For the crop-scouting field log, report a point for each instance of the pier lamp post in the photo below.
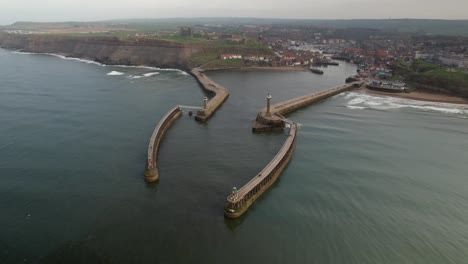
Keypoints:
(205, 102)
(235, 192)
(268, 104)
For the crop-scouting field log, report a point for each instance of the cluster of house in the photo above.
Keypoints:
(281, 58)
(388, 52)
(450, 60)
(256, 58)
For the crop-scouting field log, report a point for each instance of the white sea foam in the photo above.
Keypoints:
(365, 101)
(115, 73)
(135, 76)
(61, 57)
(100, 64)
(150, 74)
(356, 107)
(150, 68)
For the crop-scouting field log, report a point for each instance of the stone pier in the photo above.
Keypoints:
(151, 170)
(240, 200)
(271, 118)
(218, 92)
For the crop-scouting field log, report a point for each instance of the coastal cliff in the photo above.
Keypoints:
(106, 50)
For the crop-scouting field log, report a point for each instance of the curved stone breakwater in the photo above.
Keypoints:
(151, 170)
(271, 118)
(220, 95)
(240, 200)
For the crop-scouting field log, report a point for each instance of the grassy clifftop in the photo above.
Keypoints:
(121, 48)
(431, 77)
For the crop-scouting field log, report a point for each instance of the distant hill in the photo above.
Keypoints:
(417, 26)
(413, 26)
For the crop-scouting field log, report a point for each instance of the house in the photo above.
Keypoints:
(230, 56)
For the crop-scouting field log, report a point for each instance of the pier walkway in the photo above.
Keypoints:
(271, 118)
(240, 200)
(219, 93)
(151, 170)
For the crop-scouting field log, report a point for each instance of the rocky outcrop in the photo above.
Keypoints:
(107, 50)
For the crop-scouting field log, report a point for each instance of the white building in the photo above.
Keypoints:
(457, 61)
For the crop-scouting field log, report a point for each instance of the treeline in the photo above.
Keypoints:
(431, 77)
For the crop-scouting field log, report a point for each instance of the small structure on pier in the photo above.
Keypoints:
(271, 117)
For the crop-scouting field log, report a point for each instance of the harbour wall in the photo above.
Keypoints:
(274, 120)
(269, 119)
(219, 93)
(151, 170)
(238, 202)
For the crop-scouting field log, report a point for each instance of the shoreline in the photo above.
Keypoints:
(258, 68)
(419, 96)
(415, 95)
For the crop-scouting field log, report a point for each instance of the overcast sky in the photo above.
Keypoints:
(89, 10)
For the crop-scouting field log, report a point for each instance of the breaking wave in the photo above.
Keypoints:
(360, 101)
(61, 57)
(100, 64)
(150, 74)
(115, 73)
(149, 68)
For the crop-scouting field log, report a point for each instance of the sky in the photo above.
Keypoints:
(92, 10)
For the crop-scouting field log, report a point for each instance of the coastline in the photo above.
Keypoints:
(415, 95)
(92, 61)
(257, 68)
(419, 96)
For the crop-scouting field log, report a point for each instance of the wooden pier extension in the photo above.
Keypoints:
(274, 120)
(151, 170)
(239, 201)
(220, 95)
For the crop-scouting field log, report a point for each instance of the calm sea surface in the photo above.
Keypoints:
(372, 180)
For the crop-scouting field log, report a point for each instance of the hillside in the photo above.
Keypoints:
(157, 52)
(430, 77)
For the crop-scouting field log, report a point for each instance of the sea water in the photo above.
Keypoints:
(373, 179)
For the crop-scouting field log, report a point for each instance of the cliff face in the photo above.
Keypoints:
(114, 51)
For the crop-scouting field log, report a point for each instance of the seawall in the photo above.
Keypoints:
(106, 50)
(239, 201)
(219, 93)
(151, 170)
(273, 119)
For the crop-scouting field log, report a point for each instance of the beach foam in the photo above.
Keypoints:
(360, 101)
(150, 74)
(100, 64)
(149, 68)
(61, 57)
(115, 73)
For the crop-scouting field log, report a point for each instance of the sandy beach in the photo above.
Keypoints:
(421, 96)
